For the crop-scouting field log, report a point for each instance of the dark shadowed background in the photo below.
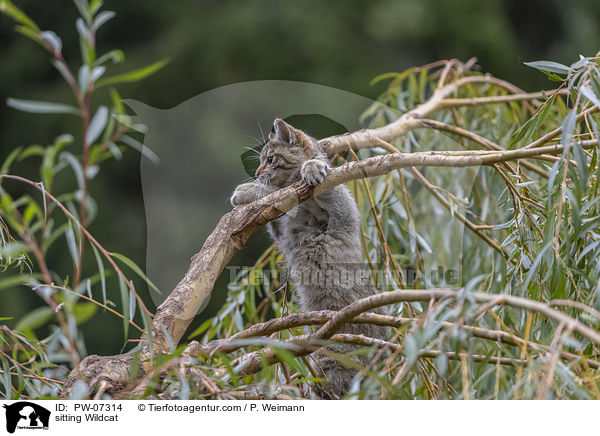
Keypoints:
(343, 44)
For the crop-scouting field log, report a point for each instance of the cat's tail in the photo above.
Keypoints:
(337, 378)
(337, 375)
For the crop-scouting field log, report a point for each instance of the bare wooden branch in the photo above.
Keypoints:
(348, 338)
(322, 316)
(476, 101)
(254, 362)
(490, 145)
(385, 298)
(407, 122)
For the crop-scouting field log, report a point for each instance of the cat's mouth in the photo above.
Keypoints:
(264, 180)
(271, 182)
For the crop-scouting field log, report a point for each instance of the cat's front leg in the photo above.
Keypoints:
(246, 193)
(338, 202)
(313, 171)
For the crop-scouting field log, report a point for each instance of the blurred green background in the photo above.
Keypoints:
(342, 44)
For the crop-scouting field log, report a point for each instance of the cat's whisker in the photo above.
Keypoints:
(252, 149)
(262, 133)
(258, 142)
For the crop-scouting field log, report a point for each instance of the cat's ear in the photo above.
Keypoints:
(287, 134)
(284, 132)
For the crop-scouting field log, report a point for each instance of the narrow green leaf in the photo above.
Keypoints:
(88, 52)
(47, 168)
(9, 160)
(137, 145)
(149, 333)
(83, 78)
(125, 304)
(591, 96)
(101, 272)
(53, 39)
(84, 9)
(118, 107)
(32, 150)
(11, 250)
(97, 73)
(62, 141)
(116, 56)
(133, 76)
(115, 151)
(31, 211)
(411, 350)
(568, 127)
(84, 311)
(131, 264)
(6, 380)
(97, 124)
(127, 122)
(582, 165)
(34, 319)
(535, 265)
(528, 129)
(88, 288)
(7, 8)
(102, 18)
(71, 243)
(552, 76)
(11, 282)
(31, 34)
(383, 76)
(41, 107)
(132, 305)
(48, 162)
(203, 327)
(95, 6)
(76, 165)
(83, 29)
(552, 67)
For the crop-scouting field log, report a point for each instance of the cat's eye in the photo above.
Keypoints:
(270, 159)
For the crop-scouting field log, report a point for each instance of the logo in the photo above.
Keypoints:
(26, 415)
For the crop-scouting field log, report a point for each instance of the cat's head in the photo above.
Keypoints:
(282, 157)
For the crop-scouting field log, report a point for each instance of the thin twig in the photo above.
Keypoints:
(93, 240)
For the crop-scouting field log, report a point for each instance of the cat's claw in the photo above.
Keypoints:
(313, 172)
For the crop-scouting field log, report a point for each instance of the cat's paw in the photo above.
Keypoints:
(313, 171)
(244, 194)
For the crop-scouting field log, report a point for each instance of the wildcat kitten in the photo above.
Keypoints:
(319, 240)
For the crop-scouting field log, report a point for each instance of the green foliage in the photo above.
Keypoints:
(546, 225)
(133, 76)
(47, 341)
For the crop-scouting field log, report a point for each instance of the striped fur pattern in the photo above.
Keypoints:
(319, 240)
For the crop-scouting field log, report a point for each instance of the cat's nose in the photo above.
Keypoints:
(259, 170)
